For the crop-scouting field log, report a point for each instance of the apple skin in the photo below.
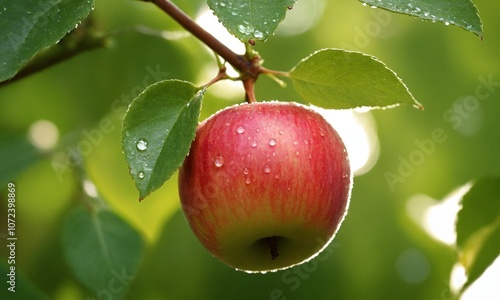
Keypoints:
(266, 185)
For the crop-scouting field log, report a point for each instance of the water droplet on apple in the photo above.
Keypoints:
(272, 142)
(257, 130)
(246, 171)
(240, 129)
(142, 144)
(228, 124)
(219, 161)
(140, 174)
(277, 176)
(254, 144)
(295, 143)
(248, 180)
(280, 132)
(267, 169)
(297, 153)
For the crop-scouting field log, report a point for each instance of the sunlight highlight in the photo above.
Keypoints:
(210, 23)
(486, 286)
(437, 218)
(303, 17)
(358, 133)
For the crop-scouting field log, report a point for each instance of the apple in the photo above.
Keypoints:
(266, 185)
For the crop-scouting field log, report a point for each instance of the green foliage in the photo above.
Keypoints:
(158, 130)
(101, 246)
(21, 154)
(461, 13)
(251, 19)
(102, 249)
(28, 26)
(340, 79)
(478, 227)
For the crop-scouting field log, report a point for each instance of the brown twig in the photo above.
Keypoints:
(249, 67)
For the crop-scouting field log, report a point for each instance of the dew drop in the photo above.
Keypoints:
(140, 174)
(297, 153)
(228, 124)
(272, 142)
(267, 169)
(142, 144)
(257, 130)
(280, 132)
(277, 176)
(219, 161)
(248, 180)
(254, 144)
(295, 143)
(240, 130)
(246, 171)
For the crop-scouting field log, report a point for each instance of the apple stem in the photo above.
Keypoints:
(272, 244)
(249, 85)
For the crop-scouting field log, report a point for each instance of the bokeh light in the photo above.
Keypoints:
(43, 134)
(358, 133)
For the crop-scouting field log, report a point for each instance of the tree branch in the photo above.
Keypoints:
(239, 62)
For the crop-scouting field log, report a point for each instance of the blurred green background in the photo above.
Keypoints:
(380, 252)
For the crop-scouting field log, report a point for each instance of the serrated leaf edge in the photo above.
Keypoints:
(416, 104)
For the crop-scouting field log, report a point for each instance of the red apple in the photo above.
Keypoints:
(266, 185)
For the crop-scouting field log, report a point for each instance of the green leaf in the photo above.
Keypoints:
(102, 250)
(28, 26)
(461, 13)
(340, 79)
(158, 130)
(478, 227)
(16, 154)
(251, 19)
